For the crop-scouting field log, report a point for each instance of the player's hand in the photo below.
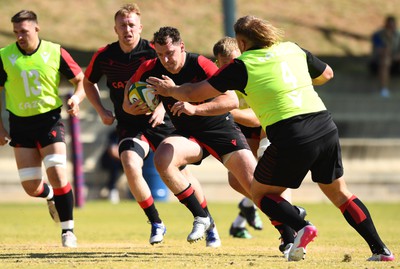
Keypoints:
(107, 117)
(157, 117)
(183, 107)
(73, 104)
(161, 86)
(136, 108)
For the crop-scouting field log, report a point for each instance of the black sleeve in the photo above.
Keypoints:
(230, 77)
(315, 66)
(68, 67)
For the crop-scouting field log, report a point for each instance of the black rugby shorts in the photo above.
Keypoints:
(288, 166)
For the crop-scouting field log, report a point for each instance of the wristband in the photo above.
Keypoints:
(75, 99)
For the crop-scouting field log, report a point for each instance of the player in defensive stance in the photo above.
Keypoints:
(30, 74)
(225, 50)
(277, 79)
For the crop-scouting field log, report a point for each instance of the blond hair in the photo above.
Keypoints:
(259, 32)
(127, 9)
(225, 46)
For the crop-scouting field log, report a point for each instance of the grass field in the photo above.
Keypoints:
(116, 236)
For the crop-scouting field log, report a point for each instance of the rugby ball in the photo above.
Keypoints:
(139, 91)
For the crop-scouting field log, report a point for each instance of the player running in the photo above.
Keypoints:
(30, 74)
(139, 131)
(202, 128)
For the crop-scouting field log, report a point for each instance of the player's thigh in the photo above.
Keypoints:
(27, 157)
(54, 148)
(242, 165)
(178, 150)
(236, 185)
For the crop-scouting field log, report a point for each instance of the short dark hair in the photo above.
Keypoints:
(160, 37)
(24, 15)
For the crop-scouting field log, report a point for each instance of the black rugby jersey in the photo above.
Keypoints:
(195, 69)
(118, 67)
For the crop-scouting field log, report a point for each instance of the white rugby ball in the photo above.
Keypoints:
(139, 91)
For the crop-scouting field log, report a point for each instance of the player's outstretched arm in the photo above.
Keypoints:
(190, 92)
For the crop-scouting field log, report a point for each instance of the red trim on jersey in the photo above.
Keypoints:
(64, 190)
(146, 203)
(208, 66)
(354, 210)
(223, 67)
(89, 68)
(185, 194)
(144, 67)
(75, 68)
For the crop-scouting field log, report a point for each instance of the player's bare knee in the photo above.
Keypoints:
(130, 165)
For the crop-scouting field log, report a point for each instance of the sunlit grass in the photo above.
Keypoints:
(116, 236)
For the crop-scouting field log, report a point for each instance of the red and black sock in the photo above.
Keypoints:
(287, 233)
(280, 210)
(64, 202)
(357, 215)
(205, 207)
(150, 210)
(188, 198)
(45, 191)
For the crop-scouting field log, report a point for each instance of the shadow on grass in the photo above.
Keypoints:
(99, 255)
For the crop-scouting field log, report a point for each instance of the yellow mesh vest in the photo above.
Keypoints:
(32, 80)
(279, 85)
